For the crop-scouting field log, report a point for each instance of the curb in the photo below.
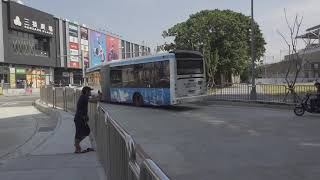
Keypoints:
(23, 149)
(51, 113)
(253, 104)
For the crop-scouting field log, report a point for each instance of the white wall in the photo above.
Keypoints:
(283, 80)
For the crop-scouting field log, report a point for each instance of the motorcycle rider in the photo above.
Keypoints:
(316, 101)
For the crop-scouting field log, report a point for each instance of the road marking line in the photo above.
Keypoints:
(253, 132)
(310, 144)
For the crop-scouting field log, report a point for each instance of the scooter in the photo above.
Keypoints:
(305, 105)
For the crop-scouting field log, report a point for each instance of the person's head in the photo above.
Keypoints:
(317, 85)
(86, 90)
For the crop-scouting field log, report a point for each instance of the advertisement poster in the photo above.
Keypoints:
(97, 48)
(73, 46)
(84, 36)
(112, 48)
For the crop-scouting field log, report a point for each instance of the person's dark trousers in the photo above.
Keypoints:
(313, 103)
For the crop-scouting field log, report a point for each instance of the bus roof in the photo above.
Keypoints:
(142, 59)
(94, 68)
(145, 59)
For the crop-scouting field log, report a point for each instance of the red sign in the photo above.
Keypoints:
(112, 48)
(74, 64)
(74, 45)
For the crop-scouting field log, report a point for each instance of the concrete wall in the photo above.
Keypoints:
(283, 80)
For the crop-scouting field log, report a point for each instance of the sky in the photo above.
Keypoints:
(143, 21)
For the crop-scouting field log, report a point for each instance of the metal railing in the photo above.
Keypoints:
(264, 92)
(120, 156)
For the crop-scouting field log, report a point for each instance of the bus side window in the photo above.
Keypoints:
(148, 75)
(116, 77)
(162, 74)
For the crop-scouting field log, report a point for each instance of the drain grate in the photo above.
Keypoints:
(46, 129)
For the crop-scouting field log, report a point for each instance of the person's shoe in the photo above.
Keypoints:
(78, 148)
(87, 150)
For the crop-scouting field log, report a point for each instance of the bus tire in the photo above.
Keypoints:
(137, 100)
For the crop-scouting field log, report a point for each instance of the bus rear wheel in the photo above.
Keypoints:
(137, 100)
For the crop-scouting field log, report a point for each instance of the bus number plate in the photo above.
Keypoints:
(190, 85)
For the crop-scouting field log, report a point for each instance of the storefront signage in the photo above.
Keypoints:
(31, 20)
(74, 64)
(74, 52)
(84, 45)
(65, 74)
(20, 71)
(74, 46)
(12, 70)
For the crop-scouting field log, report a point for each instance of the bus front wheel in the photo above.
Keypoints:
(137, 100)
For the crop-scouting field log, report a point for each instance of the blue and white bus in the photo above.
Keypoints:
(162, 79)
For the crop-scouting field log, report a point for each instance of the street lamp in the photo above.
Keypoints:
(253, 94)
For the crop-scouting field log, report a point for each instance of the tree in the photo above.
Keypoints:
(223, 36)
(296, 58)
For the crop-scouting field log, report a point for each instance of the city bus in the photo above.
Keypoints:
(163, 79)
(93, 78)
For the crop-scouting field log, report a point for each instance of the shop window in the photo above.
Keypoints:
(42, 46)
(27, 44)
(4, 74)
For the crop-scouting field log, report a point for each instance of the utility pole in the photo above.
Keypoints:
(83, 69)
(253, 94)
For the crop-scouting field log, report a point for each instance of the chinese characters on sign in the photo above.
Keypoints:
(27, 19)
(33, 25)
(74, 59)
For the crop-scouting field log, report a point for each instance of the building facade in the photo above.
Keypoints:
(39, 49)
(309, 61)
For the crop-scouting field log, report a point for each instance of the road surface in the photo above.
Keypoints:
(207, 141)
(19, 121)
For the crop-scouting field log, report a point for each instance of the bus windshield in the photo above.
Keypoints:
(187, 67)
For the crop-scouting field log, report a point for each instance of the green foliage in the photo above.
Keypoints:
(223, 36)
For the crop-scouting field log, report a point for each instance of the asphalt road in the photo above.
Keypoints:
(207, 141)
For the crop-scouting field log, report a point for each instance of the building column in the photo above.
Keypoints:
(1, 35)
(51, 74)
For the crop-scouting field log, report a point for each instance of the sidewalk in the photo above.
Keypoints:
(54, 159)
(20, 92)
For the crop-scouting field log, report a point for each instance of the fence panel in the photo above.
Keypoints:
(115, 147)
(70, 99)
(59, 97)
(230, 92)
(264, 92)
(118, 168)
(50, 96)
(150, 171)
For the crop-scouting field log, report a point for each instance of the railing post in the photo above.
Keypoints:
(74, 99)
(47, 96)
(64, 96)
(54, 95)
